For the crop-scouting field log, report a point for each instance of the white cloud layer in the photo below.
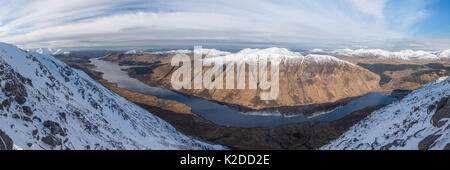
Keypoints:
(221, 23)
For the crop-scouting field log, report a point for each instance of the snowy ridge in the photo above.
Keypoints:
(134, 52)
(402, 55)
(178, 51)
(279, 55)
(204, 51)
(181, 51)
(211, 52)
(419, 121)
(49, 51)
(444, 54)
(316, 50)
(48, 105)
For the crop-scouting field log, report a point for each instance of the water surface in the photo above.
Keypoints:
(224, 115)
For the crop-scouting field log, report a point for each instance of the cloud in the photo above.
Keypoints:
(327, 24)
(372, 7)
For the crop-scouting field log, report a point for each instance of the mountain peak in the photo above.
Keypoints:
(134, 52)
(49, 51)
(281, 55)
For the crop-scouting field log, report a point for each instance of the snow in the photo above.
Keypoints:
(49, 51)
(211, 52)
(317, 50)
(444, 54)
(15, 147)
(180, 51)
(402, 124)
(134, 52)
(278, 55)
(403, 54)
(94, 117)
(204, 51)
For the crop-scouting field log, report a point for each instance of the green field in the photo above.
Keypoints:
(147, 69)
(136, 63)
(381, 68)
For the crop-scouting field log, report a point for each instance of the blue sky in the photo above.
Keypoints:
(226, 24)
(437, 24)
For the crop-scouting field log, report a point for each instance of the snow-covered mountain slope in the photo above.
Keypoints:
(444, 54)
(282, 55)
(211, 52)
(402, 55)
(204, 51)
(419, 121)
(45, 104)
(49, 51)
(134, 52)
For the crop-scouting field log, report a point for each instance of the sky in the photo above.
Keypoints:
(226, 24)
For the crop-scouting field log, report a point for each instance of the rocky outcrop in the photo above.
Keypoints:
(55, 128)
(6, 143)
(442, 112)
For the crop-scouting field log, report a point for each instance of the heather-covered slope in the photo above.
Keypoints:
(45, 104)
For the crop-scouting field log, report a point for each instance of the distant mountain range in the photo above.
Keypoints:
(383, 54)
(363, 53)
(49, 51)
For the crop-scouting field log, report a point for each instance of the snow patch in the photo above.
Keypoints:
(403, 125)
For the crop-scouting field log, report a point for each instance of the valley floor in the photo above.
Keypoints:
(297, 136)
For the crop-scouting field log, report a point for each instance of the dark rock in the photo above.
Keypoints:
(27, 119)
(6, 103)
(51, 140)
(27, 110)
(62, 116)
(16, 89)
(9, 87)
(20, 99)
(427, 142)
(35, 132)
(54, 128)
(447, 147)
(442, 112)
(78, 114)
(15, 116)
(395, 143)
(37, 118)
(6, 143)
(431, 108)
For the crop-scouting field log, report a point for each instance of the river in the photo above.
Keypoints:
(224, 115)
